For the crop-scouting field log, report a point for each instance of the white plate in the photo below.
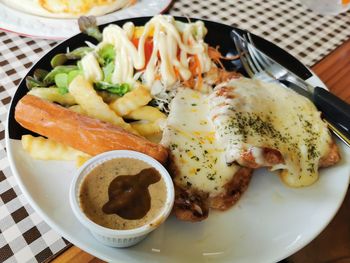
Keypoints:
(50, 28)
(269, 223)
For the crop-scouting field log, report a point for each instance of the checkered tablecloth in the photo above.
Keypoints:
(24, 236)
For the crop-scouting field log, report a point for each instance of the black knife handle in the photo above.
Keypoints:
(334, 110)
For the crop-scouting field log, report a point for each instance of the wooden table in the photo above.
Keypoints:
(334, 242)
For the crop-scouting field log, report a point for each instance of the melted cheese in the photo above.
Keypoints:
(190, 136)
(249, 113)
(169, 38)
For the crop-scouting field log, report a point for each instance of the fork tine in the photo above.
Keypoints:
(249, 61)
(255, 59)
(263, 62)
(255, 67)
(261, 59)
(243, 55)
(254, 64)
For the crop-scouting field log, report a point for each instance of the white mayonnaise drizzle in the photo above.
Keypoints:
(169, 36)
(91, 68)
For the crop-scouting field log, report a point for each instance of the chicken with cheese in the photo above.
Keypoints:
(201, 175)
(264, 124)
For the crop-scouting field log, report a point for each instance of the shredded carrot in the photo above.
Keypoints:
(199, 73)
(196, 70)
(192, 66)
(215, 55)
(189, 83)
(157, 77)
(177, 73)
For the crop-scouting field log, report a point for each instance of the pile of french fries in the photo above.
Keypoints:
(142, 119)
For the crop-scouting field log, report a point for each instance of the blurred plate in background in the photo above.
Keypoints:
(58, 28)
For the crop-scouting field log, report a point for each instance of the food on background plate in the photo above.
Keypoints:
(162, 82)
(104, 187)
(68, 9)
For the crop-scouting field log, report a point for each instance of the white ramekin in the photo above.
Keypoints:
(111, 237)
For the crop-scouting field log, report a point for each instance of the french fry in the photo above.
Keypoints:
(53, 95)
(92, 103)
(131, 101)
(148, 113)
(46, 149)
(78, 109)
(107, 96)
(146, 129)
(156, 138)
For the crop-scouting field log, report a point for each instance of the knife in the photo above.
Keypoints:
(335, 111)
(322, 99)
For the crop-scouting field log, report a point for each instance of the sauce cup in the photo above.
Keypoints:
(112, 237)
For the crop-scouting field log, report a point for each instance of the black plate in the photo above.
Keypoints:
(218, 35)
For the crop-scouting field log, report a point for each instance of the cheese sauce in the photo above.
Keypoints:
(190, 136)
(169, 38)
(249, 113)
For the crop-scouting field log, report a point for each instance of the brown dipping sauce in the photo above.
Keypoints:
(129, 196)
(122, 193)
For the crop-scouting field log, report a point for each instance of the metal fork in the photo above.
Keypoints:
(259, 66)
(336, 112)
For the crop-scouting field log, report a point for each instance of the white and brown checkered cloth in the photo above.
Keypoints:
(24, 236)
